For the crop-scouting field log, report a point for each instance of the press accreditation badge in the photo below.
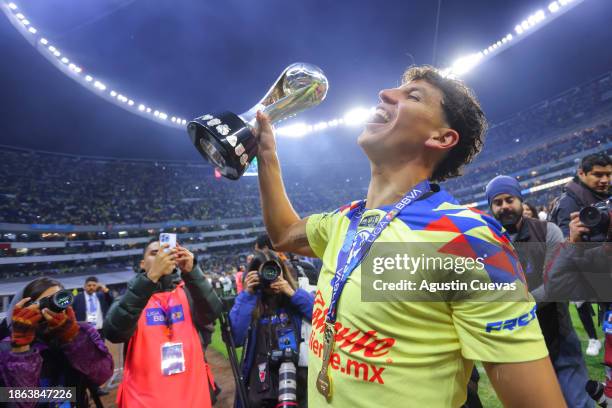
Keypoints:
(92, 318)
(172, 358)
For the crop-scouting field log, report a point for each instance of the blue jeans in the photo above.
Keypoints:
(572, 372)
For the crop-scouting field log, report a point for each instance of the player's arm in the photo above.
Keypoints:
(286, 229)
(530, 384)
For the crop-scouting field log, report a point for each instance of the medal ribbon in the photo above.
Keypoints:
(353, 252)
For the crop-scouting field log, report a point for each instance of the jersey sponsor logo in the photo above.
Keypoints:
(155, 315)
(356, 343)
(511, 324)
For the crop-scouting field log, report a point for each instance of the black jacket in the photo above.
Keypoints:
(576, 195)
(581, 272)
(122, 318)
(554, 318)
(80, 308)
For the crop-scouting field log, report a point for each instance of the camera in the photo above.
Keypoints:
(269, 271)
(267, 266)
(285, 358)
(58, 302)
(597, 218)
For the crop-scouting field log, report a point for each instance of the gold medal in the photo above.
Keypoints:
(324, 381)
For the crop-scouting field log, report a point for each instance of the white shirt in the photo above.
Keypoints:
(93, 317)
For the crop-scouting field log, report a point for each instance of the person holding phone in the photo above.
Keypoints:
(165, 308)
(47, 347)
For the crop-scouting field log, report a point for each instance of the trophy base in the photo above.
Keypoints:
(225, 140)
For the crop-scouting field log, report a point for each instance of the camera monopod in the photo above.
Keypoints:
(228, 339)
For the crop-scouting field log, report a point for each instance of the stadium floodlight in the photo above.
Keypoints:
(553, 7)
(357, 116)
(156, 113)
(113, 93)
(295, 130)
(65, 60)
(465, 64)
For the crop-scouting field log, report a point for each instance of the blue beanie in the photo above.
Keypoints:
(503, 185)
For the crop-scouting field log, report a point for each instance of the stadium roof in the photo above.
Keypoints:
(195, 57)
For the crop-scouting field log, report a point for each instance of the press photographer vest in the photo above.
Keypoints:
(143, 384)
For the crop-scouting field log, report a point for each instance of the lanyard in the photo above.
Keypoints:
(355, 249)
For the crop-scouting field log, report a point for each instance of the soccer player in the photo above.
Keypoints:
(410, 354)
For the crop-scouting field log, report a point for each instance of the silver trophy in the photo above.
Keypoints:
(227, 141)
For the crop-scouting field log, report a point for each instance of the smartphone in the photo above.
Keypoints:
(170, 239)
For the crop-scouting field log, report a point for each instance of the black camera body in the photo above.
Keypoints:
(286, 355)
(268, 268)
(58, 302)
(597, 218)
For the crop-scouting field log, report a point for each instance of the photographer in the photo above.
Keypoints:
(590, 185)
(49, 348)
(160, 317)
(267, 318)
(582, 271)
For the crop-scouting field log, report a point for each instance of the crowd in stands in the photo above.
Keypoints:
(551, 153)
(43, 188)
(47, 188)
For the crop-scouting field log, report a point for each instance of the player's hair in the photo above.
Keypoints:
(463, 114)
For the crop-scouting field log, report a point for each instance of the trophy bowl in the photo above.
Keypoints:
(227, 140)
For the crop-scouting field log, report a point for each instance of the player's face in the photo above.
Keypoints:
(507, 209)
(405, 118)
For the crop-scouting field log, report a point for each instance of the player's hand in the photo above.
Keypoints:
(164, 263)
(577, 228)
(280, 285)
(251, 282)
(184, 259)
(264, 133)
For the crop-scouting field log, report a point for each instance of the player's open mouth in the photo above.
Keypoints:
(380, 116)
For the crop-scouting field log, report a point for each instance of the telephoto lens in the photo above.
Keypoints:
(287, 385)
(57, 302)
(269, 271)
